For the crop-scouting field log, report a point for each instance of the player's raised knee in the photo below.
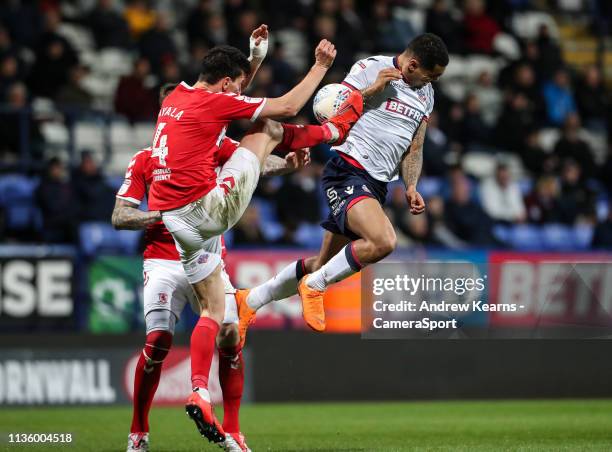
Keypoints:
(228, 335)
(273, 129)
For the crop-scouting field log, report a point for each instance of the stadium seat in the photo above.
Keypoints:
(55, 134)
(602, 207)
(502, 233)
(478, 164)
(455, 89)
(415, 16)
(476, 64)
(115, 181)
(527, 25)
(526, 237)
(80, 37)
(598, 143)
(271, 230)
(526, 186)
(506, 45)
(557, 237)
(548, 138)
(583, 236)
(309, 235)
(143, 135)
(456, 68)
(430, 186)
(17, 199)
(96, 238)
(115, 62)
(90, 136)
(267, 209)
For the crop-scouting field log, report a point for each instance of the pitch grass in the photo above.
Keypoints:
(574, 425)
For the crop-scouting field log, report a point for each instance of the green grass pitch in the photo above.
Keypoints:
(573, 425)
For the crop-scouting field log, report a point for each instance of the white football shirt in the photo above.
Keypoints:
(383, 134)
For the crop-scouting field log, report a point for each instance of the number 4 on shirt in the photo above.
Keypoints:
(160, 150)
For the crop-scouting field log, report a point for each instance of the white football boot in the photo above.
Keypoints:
(235, 442)
(138, 442)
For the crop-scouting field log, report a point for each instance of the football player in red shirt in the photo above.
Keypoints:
(197, 205)
(167, 291)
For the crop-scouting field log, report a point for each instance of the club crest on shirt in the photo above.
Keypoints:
(163, 297)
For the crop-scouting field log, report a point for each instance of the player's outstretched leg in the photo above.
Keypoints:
(332, 132)
(367, 220)
(210, 293)
(146, 381)
(231, 378)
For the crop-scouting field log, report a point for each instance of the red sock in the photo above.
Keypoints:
(146, 379)
(299, 136)
(231, 377)
(202, 349)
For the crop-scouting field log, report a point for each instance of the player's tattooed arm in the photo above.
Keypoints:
(384, 76)
(126, 215)
(258, 44)
(411, 166)
(293, 161)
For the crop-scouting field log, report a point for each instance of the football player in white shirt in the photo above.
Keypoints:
(385, 143)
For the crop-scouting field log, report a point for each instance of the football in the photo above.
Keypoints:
(328, 100)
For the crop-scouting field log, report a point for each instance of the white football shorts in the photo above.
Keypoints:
(166, 288)
(196, 226)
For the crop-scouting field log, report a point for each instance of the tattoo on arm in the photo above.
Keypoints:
(412, 162)
(275, 166)
(126, 215)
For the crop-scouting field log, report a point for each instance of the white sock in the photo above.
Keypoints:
(203, 392)
(335, 134)
(339, 267)
(281, 286)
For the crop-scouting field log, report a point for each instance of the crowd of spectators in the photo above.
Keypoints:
(505, 111)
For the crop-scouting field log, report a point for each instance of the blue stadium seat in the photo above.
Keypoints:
(271, 230)
(526, 237)
(309, 235)
(17, 199)
(583, 236)
(502, 233)
(100, 238)
(267, 210)
(431, 186)
(557, 237)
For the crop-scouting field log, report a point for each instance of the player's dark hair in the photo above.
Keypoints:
(165, 90)
(223, 61)
(430, 50)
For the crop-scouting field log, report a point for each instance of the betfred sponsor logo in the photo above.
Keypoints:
(397, 106)
(175, 383)
(551, 290)
(56, 382)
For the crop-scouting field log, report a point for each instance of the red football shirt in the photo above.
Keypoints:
(191, 126)
(159, 243)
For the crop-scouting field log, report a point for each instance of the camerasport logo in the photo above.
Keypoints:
(175, 384)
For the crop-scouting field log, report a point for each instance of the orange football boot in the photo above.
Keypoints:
(246, 315)
(312, 306)
(348, 114)
(201, 412)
